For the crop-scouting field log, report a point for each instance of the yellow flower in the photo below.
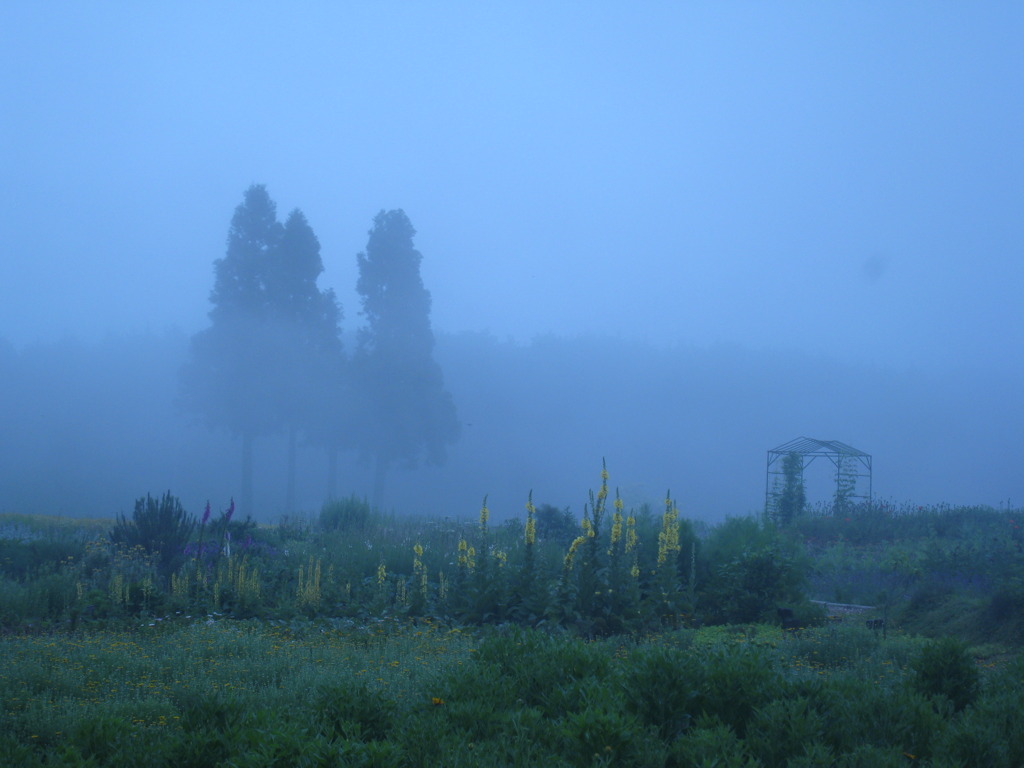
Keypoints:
(616, 525)
(531, 523)
(572, 550)
(631, 537)
(668, 538)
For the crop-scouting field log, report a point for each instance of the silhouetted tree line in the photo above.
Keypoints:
(272, 359)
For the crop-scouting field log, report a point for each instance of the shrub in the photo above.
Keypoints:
(161, 527)
(351, 514)
(944, 668)
(710, 743)
(556, 525)
(353, 712)
(662, 685)
(739, 681)
(785, 729)
(748, 571)
(602, 735)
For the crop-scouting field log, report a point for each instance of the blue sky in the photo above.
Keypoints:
(844, 178)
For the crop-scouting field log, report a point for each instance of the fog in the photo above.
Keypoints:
(671, 236)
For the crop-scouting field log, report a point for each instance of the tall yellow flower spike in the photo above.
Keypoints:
(668, 538)
(572, 550)
(531, 523)
(484, 515)
(616, 533)
(631, 537)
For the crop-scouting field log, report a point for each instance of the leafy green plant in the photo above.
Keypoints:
(738, 681)
(710, 743)
(556, 525)
(602, 735)
(353, 712)
(350, 514)
(784, 729)
(162, 528)
(945, 668)
(661, 685)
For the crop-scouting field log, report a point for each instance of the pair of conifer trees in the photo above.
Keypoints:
(272, 359)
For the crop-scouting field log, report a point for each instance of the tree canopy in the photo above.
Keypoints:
(265, 361)
(408, 412)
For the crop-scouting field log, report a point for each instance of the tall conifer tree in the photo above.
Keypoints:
(408, 412)
(260, 366)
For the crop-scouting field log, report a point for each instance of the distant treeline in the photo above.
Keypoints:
(86, 427)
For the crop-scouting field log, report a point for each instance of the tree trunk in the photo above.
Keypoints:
(245, 502)
(332, 472)
(289, 500)
(380, 471)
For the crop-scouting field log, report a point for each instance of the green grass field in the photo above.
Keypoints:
(259, 693)
(630, 637)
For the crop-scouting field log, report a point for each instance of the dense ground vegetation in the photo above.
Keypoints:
(621, 637)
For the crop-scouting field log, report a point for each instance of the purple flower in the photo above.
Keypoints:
(230, 512)
(206, 514)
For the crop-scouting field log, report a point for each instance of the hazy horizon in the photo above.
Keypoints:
(796, 197)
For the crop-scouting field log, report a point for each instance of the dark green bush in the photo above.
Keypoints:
(162, 528)
(747, 571)
(1003, 618)
(355, 713)
(24, 559)
(710, 743)
(738, 681)
(602, 735)
(784, 729)
(545, 671)
(662, 686)
(349, 514)
(945, 668)
(556, 525)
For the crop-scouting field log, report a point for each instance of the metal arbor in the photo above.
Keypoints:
(852, 468)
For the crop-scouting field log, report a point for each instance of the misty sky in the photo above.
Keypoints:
(840, 177)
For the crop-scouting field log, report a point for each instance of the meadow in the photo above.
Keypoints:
(624, 637)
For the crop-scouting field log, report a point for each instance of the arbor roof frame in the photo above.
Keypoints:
(851, 462)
